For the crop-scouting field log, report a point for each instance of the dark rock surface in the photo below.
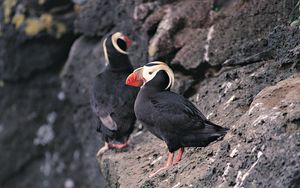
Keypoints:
(38, 140)
(238, 61)
(229, 93)
(262, 142)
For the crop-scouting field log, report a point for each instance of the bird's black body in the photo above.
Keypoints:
(173, 118)
(111, 100)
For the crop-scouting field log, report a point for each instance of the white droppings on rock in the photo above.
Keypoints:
(69, 183)
(238, 179)
(208, 39)
(61, 96)
(275, 116)
(197, 97)
(292, 105)
(229, 101)
(241, 178)
(177, 185)
(44, 135)
(226, 171)
(211, 160)
(254, 149)
(156, 160)
(226, 86)
(234, 151)
(209, 115)
(51, 118)
(253, 107)
(259, 119)
(140, 126)
(137, 134)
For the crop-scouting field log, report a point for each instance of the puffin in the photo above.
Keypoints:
(111, 100)
(168, 115)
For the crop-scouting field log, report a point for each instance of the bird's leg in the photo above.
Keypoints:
(103, 149)
(119, 146)
(178, 156)
(167, 165)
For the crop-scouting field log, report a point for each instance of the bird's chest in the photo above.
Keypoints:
(144, 110)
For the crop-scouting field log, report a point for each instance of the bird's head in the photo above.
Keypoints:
(116, 44)
(155, 74)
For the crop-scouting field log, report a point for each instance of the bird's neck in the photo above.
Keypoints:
(148, 91)
(119, 63)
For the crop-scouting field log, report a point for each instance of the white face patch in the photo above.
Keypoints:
(149, 72)
(105, 52)
(114, 39)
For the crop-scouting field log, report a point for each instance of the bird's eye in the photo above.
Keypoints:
(150, 73)
(122, 44)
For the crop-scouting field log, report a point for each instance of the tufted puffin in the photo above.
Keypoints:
(169, 116)
(111, 100)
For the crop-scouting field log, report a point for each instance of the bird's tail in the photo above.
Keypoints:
(203, 136)
(215, 129)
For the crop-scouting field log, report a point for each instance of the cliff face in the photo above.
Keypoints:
(38, 142)
(238, 61)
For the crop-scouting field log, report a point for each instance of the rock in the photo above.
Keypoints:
(36, 42)
(236, 60)
(143, 10)
(250, 149)
(272, 125)
(189, 14)
(38, 140)
(30, 156)
(228, 95)
(85, 61)
(237, 27)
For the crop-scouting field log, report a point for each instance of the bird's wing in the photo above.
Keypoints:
(108, 122)
(102, 103)
(110, 103)
(176, 111)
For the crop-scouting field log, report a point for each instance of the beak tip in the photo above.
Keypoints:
(132, 80)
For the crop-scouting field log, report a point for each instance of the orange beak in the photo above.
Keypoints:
(135, 79)
(128, 41)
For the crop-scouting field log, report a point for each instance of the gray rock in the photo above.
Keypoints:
(40, 42)
(229, 95)
(254, 93)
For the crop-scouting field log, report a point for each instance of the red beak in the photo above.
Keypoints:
(128, 41)
(134, 80)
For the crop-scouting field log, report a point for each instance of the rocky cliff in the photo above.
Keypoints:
(238, 61)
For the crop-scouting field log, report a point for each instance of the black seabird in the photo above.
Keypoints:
(111, 100)
(167, 115)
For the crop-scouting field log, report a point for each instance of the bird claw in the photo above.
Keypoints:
(118, 146)
(167, 166)
(107, 146)
(102, 150)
